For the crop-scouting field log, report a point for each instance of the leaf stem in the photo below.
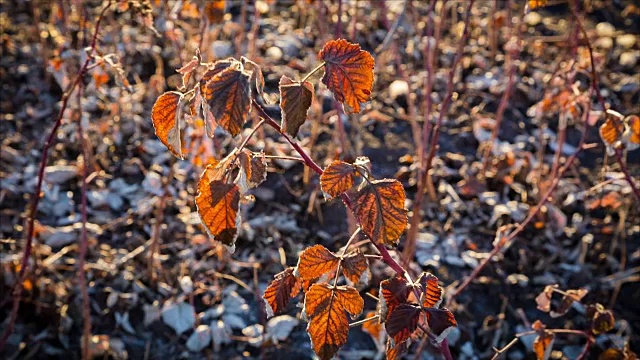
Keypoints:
(320, 66)
(360, 322)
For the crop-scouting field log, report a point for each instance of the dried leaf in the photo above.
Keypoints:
(214, 11)
(326, 307)
(402, 322)
(395, 351)
(316, 261)
(440, 321)
(543, 344)
(295, 101)
(253, 169)
(337, 178)
(567, 301)
(431, 289)
(602, 320)
(374, 329)
(165, 116)
(217, 203)
(393, 292)
(228, 96)
(544, 298)
(379, 207)
(354, 266)
(284, 287)
(536, 4)
(611, 131)
(348, 73)
(632, 134)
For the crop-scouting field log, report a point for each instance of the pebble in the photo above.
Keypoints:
(274, 53)
(627, 41)
(398, 88)
(604, 43)
(289, 44)
(605, 29)
(628, 59)
(533, 18)
(60, 174)
(222, 49)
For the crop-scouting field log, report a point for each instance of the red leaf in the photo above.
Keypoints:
(393, 292)
(165, 116)
(348, 73)
(337, 178)
(379, 207)
(228, 95)
(440, 321)
(284, 287)
(295, 101)
(402, 322)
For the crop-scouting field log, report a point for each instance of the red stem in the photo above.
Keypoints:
(17, 292)
(627, 175)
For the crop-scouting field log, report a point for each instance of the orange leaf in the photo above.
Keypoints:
(543, 344)
(535, 4)
(611, 131)
(295, 101)
(166, 122)
(440, 322)
(354, 266)
(395, 351)
(567, 300)
(393, 292)
(284, 287)
(432, 291)
(337, 178)
(402, 322)
(374, 329)
(326, 307)
(217, 203)
(633, 132)
(348, 73)
(228, 96)
(316, 261)
(254, 169)
(543, 300)
(214, 10)
(379, 207)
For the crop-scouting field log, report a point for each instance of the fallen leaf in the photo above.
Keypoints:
(179, 316)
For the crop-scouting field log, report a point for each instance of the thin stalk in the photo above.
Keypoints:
(625, 171)
(320, 66)
(31, 215)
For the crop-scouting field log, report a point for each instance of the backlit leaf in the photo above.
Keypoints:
(393, 292)
(348, 73)
(440, 321)
(228, 96)
(543, 300)
(166, 122)
(217, 203)
(611, 130)
(374, 329)
(354, 266)
(214, 10)
(379, 207)
(402, 322)
(632, 134)
(543, 344)
(295, 101)
(326, 307)
(212, 70)
(395, 351)
(284, 287)
(431, 289)
(337, 178)
(316, 261)
(253, 169)
(536, 4)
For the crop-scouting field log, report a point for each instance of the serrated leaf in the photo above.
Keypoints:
(284, 287)
(217, 203)
(326, 307)
(440, 321)
(393, 292)
(165, 116)
(431, 289)
(337, 178)
(379, 207)
(348, 73)
(228, 96)
(354, 266)
(253, 169)
(316, 261)
(295, 101)
(402, 322)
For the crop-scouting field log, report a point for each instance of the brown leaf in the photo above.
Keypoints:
(543, 344)
(316, 261)
(326, 307)
(348, 73)
(284, 287)
(253, 169)
(567, 301)
(393, 292)
(214, 10)
(337, 178)
(544, 298)
(295, 101)
(440, 322)
(402, 322)
(217, 203)
(395, 351)
(602, 320)
(165, 116)
(379, 207)
(431, 289)
(228, 96)
(354, 266)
